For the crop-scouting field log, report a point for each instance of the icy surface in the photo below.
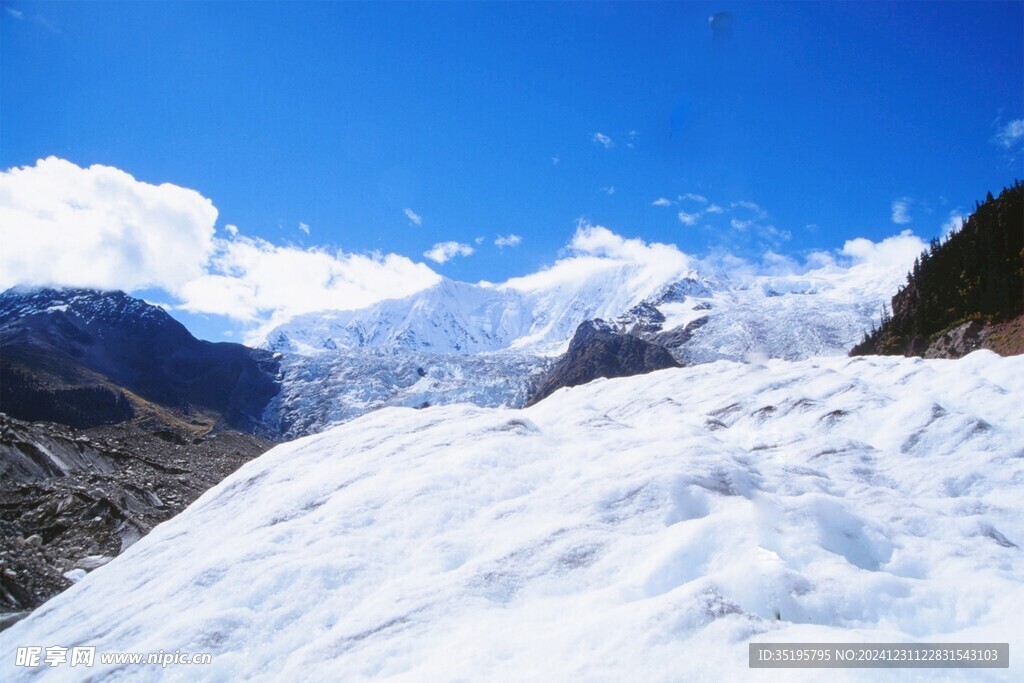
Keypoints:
(329, 388)
(487, 343)
(645, 528)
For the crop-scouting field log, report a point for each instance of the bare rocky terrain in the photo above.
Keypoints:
(72, 499)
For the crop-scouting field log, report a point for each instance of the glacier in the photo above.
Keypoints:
(488, 343)
(643, 528)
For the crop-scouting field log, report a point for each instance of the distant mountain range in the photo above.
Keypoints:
(82, 357)
(492, 345)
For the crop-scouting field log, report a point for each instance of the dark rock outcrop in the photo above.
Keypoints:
(597, 350)
(84, 358)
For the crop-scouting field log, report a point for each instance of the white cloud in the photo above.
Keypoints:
(715, 208)
(478, 240)
(901, 211)
(445, 251)
(303, 227)
(661, 201)
(554, 161)
(254, 281)
(776, 234)
(740, 225)
(100, 227)
(750, 206)
(503, 241)
(1011, 134)
(897, 252)
(602, 139)
(64, 225)
(17, 14)
(596, 250)
(862, 267)
(688, 218)
(413, 217)
(953, 223)
(610, 190)
(690, 196)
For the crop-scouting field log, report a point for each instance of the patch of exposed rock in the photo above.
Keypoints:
(72, 499)
(597, 350)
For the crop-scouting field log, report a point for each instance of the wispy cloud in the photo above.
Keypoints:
(691, 197)
(773, 234)
(413, 217)
(901, 211)
(688, 218)
(740, 225)
(714, 208)
(1011, 134)
(610, 190)
(35, 18)
(953, 223)
(661, 201)
(632, 139)
(604, 140)
(503, 241)
(753, 207)
(554, 161)
(303, 227)
(445, 251)
(231, 230)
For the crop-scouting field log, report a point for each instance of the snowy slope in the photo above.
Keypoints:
(645, 528)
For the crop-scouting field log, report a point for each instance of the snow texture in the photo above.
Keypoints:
(644, 528)
(486, 344)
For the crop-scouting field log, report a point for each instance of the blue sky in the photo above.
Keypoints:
(836, 120)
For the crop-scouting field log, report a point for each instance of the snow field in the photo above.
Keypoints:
(645, 528)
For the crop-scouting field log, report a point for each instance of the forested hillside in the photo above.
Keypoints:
(963, 293)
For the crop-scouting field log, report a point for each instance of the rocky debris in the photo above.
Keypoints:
(598, 350)
(71, 500)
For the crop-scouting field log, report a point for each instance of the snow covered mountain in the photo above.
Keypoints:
(489, 343)
(644, 528)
